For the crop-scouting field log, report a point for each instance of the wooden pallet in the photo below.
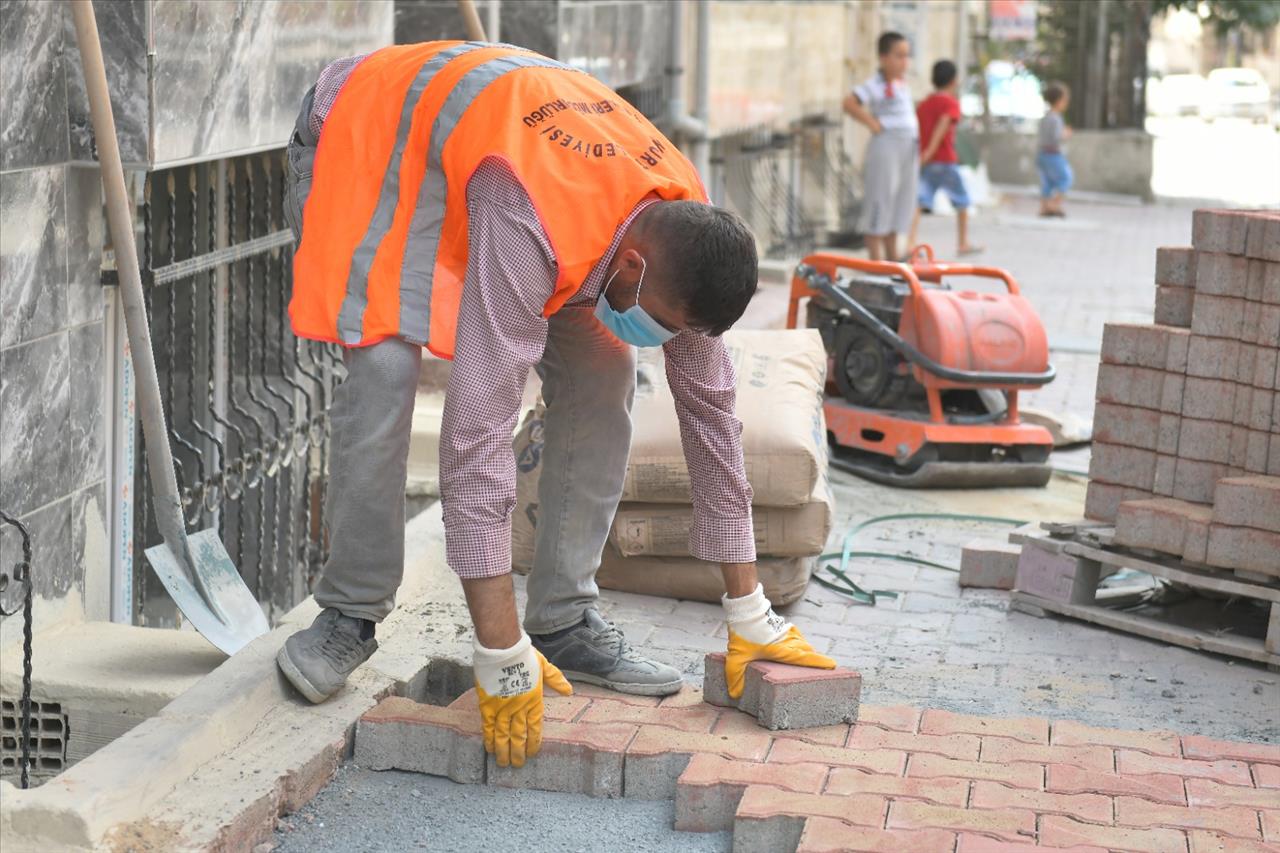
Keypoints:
(1092, 544)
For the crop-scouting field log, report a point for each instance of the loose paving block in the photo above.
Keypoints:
(770, 819)
(1132, 386)
(925, 766)
(1213, 357)
(1205, 441)
(1166, 469)
(696, 719)
(1158, 524)
(1025, 729)
(1237, 821)
(1218, 274)
(990, 563)
(1248, 502)
(1195, 480)
(1214, 749)
(400, 734)
(828, 835)
(1264, 367)
(1060, 831)
(1264, 281)
(1123, 466)
(952, 746)
(1211, 794)
(991, 795)
(1244, 367)
(1057, 577)
(789, 751)
(1227, 771)
(1157, 787)
(1255, 460)
(735, 722)
(1244, 548)
(1219, 231)
(1145, 345)
(1208, 399)
(576, 758)
(1132, 426)
(1174, 306)
(709, 789)
(1102, 500)
(1263, 237)
(781, 696)
(658, 755)
(943, 792)
(1008, 823)
(1071, 733)
(1261, 409)
(1176, 266)
(900, 718)
(1004, 750)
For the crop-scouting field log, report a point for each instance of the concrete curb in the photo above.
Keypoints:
(216, 766)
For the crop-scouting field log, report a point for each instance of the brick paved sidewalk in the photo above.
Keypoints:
(898, 780)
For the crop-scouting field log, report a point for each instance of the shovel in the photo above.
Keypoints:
(196, 570)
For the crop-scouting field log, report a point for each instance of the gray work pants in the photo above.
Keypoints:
(588, 381)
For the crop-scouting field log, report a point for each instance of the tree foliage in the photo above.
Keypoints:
(1228, 15)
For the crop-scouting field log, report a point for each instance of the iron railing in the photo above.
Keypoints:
(245, 400)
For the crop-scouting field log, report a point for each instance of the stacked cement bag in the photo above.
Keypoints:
(780, 379)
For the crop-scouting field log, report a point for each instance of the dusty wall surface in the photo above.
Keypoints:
(1111, 161)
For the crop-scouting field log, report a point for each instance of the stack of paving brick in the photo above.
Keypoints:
(897, 780)
(1188, 407)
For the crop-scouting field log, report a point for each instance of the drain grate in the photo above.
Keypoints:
(48, 738)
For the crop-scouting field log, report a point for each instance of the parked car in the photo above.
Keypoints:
(1176, 95)
(1236, 92)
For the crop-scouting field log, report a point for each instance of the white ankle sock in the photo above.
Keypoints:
(751, 617)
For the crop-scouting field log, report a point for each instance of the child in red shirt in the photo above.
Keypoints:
(938, 116)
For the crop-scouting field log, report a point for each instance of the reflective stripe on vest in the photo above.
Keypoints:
(429, 212)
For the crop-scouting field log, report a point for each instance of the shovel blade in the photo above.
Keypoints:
(218, 575)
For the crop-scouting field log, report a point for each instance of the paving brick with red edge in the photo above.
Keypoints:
(688, 697)
(1028, 729)
(827, 835)
(1270, 824)
(1006, 750)
(733, 722)
(1060, 831)
(1009, 824)
(771, 819)
(1264, 281)
(925, 766)
(943, 792)
(982, 844)
(1129, 426)
(1206, 792)
(992, 564)
(1238, 821)
(1205, 441)
(708, 791)
(659, 754)
(1123, 466)
(1194, 480)
(1176, 266)
(992, 795)
(1263, 237)
(576, 758)
(1136, 386)
(562, 709)
(781, 696)
(1102, 500)
(400, 734)
(1227, 771)
(699, 718)
(1071, 733)
(1204, 841)
(1160, 524)
(1145, 345)
(1208, 399)
(1173, 306)
(1213, 358)
(900, 718)
(789, 751)
(1266, 775)
(1157, 787)
(1215, 230)
(952, 746)
(1220, 274)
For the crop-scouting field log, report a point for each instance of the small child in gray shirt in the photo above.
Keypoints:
(1056, 176)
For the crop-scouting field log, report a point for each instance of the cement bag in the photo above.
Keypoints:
(784, 579)
(784, 436)
(662, 530)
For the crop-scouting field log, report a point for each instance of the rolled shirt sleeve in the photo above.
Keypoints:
(702, 381)
(501, 333)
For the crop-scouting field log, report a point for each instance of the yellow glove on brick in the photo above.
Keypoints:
(757, 633)
(509, 686)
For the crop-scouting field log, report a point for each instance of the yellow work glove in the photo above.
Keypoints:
(757, 633)
(509, 685)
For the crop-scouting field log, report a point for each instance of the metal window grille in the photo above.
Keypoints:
(48, 738)
(246, 401)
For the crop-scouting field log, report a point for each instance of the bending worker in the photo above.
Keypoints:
(507, 212)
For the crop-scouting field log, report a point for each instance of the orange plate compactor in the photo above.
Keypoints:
(923, 380)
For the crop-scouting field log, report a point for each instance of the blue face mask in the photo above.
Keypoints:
(633, 326)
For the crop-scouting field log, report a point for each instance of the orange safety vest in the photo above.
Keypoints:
(384, 227)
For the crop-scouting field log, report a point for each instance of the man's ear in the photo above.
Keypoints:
(629, 262)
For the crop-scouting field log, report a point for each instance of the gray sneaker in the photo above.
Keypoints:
(317, 660)
(594, 651)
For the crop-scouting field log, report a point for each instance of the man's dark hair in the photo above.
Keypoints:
(944, 71)
(1054, 92)
(708, 255)
(887, 40)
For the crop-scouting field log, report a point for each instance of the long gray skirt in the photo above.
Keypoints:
(889, 177)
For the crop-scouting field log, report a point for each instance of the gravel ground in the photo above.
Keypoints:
(365, 810)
